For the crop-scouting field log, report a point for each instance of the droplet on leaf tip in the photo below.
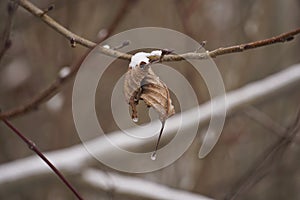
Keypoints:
(153, 156)
(135, 119)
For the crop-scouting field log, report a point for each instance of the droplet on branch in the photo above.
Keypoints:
(64, 72)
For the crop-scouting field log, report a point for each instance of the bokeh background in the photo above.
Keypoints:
(38, 53)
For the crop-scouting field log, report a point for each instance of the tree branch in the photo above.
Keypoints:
(57, 84)
(44, 95)
(288, 36)
(66, 33)
(52, 89)
(34, 148)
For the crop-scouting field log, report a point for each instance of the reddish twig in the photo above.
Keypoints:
(33, 147)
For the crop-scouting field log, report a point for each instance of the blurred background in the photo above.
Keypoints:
(38, 53)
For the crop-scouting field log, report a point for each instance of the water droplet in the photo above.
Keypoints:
(153, 156)
(65, 71)
(135, 119)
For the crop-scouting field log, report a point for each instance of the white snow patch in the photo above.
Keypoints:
(139, 57)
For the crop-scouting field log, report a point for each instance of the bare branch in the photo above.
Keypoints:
(57, 84)
(65, 32)
(288, 36)
(44, 95)
(35, 149)
(285, 37)
(53, 88)
(135, 186)
(250, 94)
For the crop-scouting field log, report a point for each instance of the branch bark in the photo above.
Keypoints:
(54, 87)
(57, 84)
(288, 36)
(66, 33)
(35, 149)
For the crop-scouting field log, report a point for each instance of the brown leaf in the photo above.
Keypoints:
(156, 94)
(132, 88)
(141, 83)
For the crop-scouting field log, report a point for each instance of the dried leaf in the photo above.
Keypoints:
(141, 83)
(132, 88)
(156, 94)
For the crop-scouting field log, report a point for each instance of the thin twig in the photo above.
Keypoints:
(77, 39)
(53, 88)
(44, 95)
(65, 32)
(57, 84)
(34, 148)
(288, 36)
(255, 173)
